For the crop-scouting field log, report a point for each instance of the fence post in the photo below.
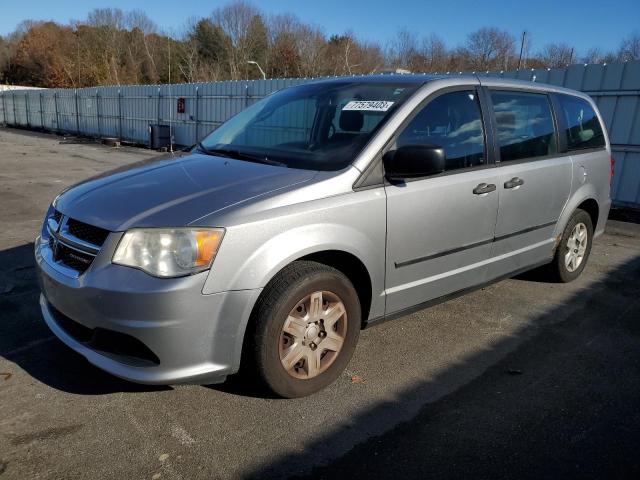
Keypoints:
(119, 115)
(41, 110)
(77, 113)
(98, 113)
(13, 101)
(197, 115)
(159, 106)
(246, 95)
(55, 103)
(4, 109)
(26, 109)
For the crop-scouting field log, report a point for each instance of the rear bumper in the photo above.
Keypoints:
(194, 338)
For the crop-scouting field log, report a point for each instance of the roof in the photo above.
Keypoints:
(413, 78)
(421, 79)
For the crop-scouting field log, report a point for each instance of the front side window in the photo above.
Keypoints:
(583, 127)
(321, 126)
(524, 125)
(452, 122)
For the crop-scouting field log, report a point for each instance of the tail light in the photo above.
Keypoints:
(613, 162)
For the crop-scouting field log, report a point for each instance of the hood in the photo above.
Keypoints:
(172, 191)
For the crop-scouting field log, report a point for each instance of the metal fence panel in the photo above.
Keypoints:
(627, 167)
(126, 112)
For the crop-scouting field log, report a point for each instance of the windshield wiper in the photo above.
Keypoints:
(237, 154)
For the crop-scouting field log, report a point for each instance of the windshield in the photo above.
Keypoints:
(320, 126)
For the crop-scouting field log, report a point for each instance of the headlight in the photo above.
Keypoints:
(171, 252)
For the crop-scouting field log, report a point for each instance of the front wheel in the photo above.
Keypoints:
(575, 246)
(306, 326)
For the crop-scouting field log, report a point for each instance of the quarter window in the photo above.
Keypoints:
(524, 125)
(583, 127)
(452, 122)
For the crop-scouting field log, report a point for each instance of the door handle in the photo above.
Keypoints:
(484, 188)
(513, 183)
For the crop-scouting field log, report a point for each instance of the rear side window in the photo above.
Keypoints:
(583, 127)
(524, 125)
(453, 122)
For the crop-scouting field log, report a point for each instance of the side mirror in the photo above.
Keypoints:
(411, 161)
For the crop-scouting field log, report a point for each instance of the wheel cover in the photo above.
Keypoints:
(312, 335)
(576, 247)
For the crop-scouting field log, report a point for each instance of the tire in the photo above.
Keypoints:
(558, 269)
(289, 348)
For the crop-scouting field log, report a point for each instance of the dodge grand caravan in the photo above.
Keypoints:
(316, 211)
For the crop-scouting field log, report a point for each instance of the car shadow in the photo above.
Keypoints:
(556, 399)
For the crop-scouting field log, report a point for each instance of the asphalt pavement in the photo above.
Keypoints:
(522, 379)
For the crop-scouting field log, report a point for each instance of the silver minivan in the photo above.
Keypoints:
(319, 210)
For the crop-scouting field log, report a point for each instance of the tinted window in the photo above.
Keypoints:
(453, 122)
(524, 124)
(316, 126)
(584, 129)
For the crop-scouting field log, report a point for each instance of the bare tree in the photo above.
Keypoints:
(107, 42)
(556, 55)
(311, 48)
(244, 26)
(435, 54)
(630, 48)
(595, 55)
(491, 49)
(283, 58)
(198, 57)
(348, 44)
(403, 50)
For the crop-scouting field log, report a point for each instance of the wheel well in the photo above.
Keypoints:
(591, 207)
(353, 269)
(348, 264)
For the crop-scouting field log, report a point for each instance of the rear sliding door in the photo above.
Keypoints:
(534, 180)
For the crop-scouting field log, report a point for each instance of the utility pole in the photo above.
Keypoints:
(524, 34)
(170, 100)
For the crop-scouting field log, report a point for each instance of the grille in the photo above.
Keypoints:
(74, 244)
(72, 258)
(86, 232)
(57, 216)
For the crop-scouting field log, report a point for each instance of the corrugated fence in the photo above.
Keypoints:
(126, 112)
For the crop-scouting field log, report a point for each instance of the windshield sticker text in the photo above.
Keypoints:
(368, 105)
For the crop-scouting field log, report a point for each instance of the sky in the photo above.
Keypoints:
(583, 24)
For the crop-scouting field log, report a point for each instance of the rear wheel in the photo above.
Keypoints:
(573, 251)
(307, 324)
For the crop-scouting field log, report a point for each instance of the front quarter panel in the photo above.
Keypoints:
(255, 250)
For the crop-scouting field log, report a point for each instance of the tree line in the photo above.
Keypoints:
(112, 47)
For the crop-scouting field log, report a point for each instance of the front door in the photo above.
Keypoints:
(440, 228)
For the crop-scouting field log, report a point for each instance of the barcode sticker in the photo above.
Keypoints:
(368, 105)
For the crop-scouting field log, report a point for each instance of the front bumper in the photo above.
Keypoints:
(194, 338)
